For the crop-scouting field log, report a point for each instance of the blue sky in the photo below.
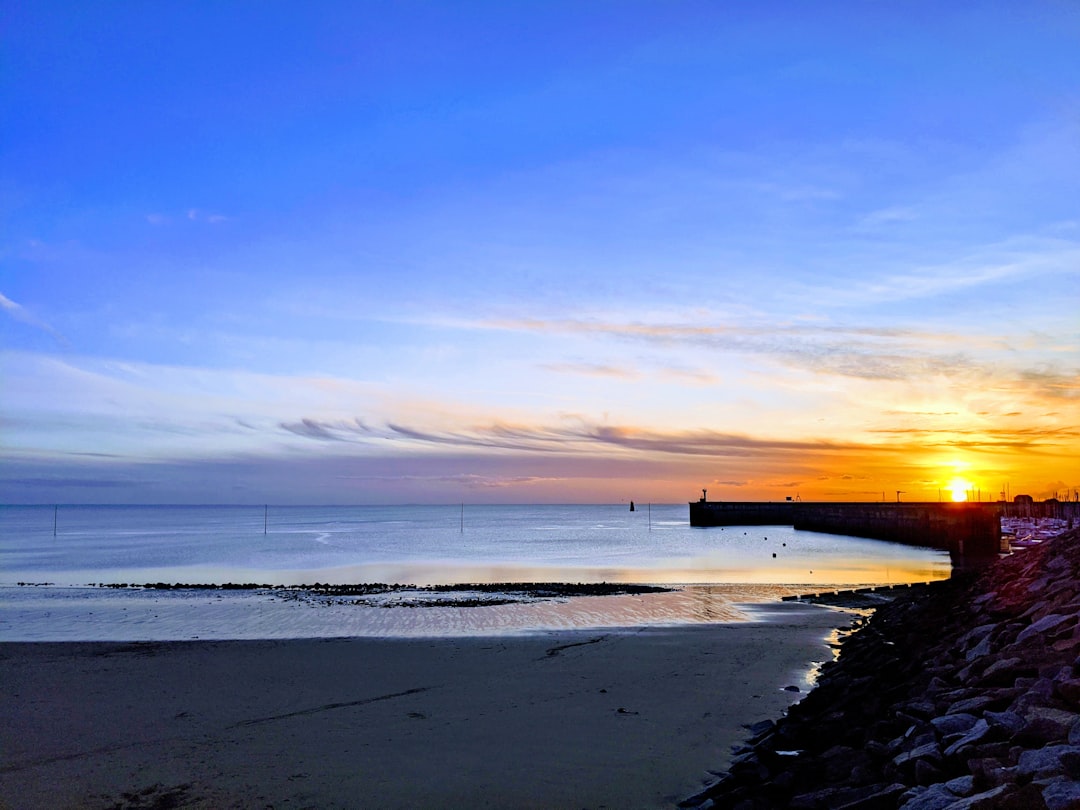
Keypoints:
(527, 252)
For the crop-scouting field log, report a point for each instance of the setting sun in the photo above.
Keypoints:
(959, 487)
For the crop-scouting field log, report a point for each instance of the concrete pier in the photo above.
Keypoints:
(966, 530)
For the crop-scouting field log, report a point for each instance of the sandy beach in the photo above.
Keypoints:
(620, 718)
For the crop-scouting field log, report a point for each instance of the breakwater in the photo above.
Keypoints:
(965, 696)
(965, 530)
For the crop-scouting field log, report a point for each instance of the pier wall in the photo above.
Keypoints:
(741, 513)
(964, 529)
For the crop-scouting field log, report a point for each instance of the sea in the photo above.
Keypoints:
(57, 564)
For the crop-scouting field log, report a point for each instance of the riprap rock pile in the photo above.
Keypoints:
(965, 697)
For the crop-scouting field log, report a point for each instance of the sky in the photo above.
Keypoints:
(530, 252)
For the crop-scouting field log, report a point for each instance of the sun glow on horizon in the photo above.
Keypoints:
(960, 488)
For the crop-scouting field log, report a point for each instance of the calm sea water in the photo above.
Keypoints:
(431, 545)
(423, 545)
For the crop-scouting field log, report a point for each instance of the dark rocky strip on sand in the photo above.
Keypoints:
(963, 696)
(503, 592)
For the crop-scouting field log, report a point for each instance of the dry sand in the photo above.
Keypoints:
(627, 718)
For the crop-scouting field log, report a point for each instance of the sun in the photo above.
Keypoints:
(959, 487)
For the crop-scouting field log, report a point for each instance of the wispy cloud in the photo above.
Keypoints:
(888, 216)
(567, 438)
(192, 215)
(1053, 384)
(586, 437)
(467, 480)
(865, 352)
(986, 439)
(196, 215)
(593, 370)
(1009, 261)
(49, 484)
(325, 431)
(21, 314)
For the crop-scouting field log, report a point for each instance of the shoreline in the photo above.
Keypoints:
(135, 614)
(633, 716)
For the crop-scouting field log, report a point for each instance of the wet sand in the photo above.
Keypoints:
(596, 719)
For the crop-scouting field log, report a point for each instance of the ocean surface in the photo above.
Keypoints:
(63, 555)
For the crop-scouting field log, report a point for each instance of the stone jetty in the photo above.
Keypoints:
(963, 696)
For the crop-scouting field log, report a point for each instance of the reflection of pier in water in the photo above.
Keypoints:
(966, 530)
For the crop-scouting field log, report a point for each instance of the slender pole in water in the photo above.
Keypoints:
(55, 509)
(266, 509)
(463, 518)
(650, 516)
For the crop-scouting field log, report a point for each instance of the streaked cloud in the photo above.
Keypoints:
(888, 216)
(22, 315)
(581, 436)
(593, 370)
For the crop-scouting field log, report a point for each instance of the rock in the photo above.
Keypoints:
(959, 723)
(749, 768)
(879, 750)
(827, 798)
(976, 734)
(990, 772)
(936, 797)
(999, 750)
(1004, 672)
(1003, 797)
(1066, 646)
(862, 774)
(1009, 722)
(1071, 761)
(919, 709)
(1039, 694)
(1069, 691)
(1051, 761)
(837, 762)
(974, 705)
(1044, 724)
(1045, 625)
(884, 798)
(760, 728)
(975, 635)
(1061, 794)
(906, 760)
(936, 686)
(1039, 584)
(926, 772)
(961, 785)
